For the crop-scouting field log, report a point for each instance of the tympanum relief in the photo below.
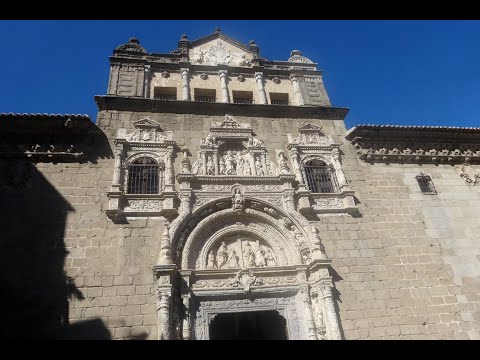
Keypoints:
(240, 253)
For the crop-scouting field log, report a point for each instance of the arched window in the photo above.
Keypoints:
(320, 177)
(144, 177)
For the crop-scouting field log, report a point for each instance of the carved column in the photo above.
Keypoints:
(296, 89)
(185, 84)
(252, 163)
(342, 181)
(163, 313)
(261, 89)
(332, 318)
(296, 167)
(168, 170)
(117, 170)
(185, 201)
(215, 161)
(204, 160)
(223, 81)
(146, 81)
(186, 327)
(264, 164)
(308, 314)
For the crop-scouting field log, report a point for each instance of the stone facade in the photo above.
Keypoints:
(263, 202)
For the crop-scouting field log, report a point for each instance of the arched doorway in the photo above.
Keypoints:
(249, 325)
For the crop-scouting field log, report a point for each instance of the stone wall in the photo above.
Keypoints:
(407, 267)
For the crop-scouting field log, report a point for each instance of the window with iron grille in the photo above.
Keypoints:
(242, 97)
(426, 184)
(205, 95)
(320, 177)
(279, 98)
(165, 93)
(144, 177)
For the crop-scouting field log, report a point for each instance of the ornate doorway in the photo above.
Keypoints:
(251, 325)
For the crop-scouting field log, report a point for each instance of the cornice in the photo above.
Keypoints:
(119, 103)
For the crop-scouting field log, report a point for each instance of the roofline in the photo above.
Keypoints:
(44, 115)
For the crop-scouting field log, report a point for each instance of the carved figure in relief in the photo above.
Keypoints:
(210, 166)
(237, 200)
(221, 167)
(229, 165)
(248, 169)
(197, 167)
(248, 256)
(222, 255)
(211, 261)
(270, 167)
(269, 258)
(232, 261)
(260, 255)
(258, 167)
(241, 167)
(208, 140)
(256, 142)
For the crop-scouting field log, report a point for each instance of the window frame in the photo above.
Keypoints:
(330, 172)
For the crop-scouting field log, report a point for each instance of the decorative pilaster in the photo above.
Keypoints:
(165, 257)
(261, 89)
(186, 166)
(117, 170)
(223, 81)
(146, 82)
(342, 181)
(296, 89)
(169, 170)
(163, 313)
(305, 297)
(186, 327)
(296, 167)
(332, 318)
(185, 84)
(318, 248)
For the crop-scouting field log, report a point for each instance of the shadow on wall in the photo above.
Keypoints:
(35, 288)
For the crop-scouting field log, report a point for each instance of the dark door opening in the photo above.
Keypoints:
(252, 325)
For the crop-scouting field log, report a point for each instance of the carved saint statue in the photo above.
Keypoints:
(197, 167)
(222, 255)
(258, 167)
(221, 169)
(270, 167)
(210, 166)
(248, 256)
(248, 170)
(240, 166)
(260, 255)
(269, 258)
(229, 165)
(237, 200)
(232, 261)
(211, 261)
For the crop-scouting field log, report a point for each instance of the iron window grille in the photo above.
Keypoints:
(205, 98)
(144, 177)
(165, 97)
(320, 177)
(279, 102)
(242, 101)
(426, 184)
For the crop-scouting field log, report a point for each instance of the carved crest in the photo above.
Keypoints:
(217, 53)
(246, 279)
(468, 174)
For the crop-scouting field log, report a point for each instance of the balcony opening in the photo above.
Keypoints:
(205, 95)
(279, 98)
(242, 97)
(165, 93)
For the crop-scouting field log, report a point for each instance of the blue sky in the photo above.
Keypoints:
(386, 72)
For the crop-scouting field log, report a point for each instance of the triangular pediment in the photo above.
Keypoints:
(217, 49)
(309, 128)
(147, 123)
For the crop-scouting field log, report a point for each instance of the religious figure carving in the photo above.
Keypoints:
(248, 169)
(248, 256)
(232, 261)
(269, 258)
(237, 200)
(229, 165)
(221, 168)
(211, 261)
(197, 167)
(240, 167)
(260, 255)
(222, 255)
(258, 167)
(210, 166)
